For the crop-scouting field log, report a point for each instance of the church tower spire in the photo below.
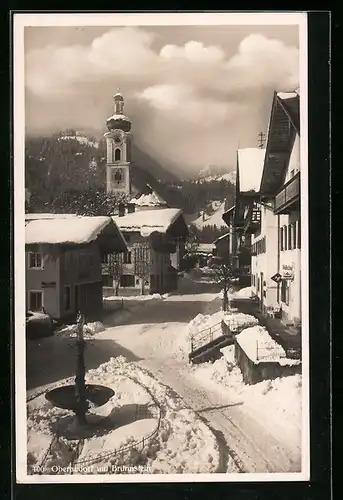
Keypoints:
(118, 103)
(118, 139)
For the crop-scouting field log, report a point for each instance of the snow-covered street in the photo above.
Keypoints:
(153, 336)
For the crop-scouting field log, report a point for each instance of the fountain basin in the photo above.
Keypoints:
(65, 396)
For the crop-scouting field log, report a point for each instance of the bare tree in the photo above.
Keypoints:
(115, 268)
(142, 262)
(192, 242)
(224, 276)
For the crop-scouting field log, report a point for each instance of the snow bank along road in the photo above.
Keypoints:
(151, 338)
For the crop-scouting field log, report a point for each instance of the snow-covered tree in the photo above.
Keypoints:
(224, 276)
(192, 242)
(142, 262)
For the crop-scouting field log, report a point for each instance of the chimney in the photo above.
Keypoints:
(131, 208)
(121, 208)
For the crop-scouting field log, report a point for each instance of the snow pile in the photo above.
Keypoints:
(259, 345)
(283, 395)
(89, 329)
(176, 439)
(183, 438)
(243, 293)
(228, 353)
(236, 320)
(131, 303)
(154, 296)
(202, 322)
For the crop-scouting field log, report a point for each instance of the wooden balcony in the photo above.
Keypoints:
(288, 198)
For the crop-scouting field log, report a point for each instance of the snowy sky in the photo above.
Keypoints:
(193, 93)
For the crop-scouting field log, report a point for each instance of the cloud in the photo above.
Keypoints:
(194, 52)
(190, 104)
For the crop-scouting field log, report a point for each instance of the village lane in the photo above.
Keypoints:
(150, 336)
(53, 358)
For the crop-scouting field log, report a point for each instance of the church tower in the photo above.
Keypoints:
(118, 140)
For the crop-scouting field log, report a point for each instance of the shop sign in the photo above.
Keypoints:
(48, 284)
(277, 277)
(287, 271)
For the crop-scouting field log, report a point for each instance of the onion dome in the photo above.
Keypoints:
(118, 120)
(118, 97)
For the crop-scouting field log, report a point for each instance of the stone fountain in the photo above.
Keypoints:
(80, 397)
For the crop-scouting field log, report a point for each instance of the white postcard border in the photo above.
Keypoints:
(20, 21)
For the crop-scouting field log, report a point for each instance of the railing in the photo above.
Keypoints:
(288, 194)
(204, 336)
(273, 353)
(155, 407)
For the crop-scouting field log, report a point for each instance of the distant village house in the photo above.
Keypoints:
(64, 263)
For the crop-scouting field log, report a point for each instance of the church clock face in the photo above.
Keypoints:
(117, 140)
(118, 178)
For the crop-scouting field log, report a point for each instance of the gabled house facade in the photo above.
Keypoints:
(246, 212)
(155, 240)
(63, 263)
(229, 219)
(277, 245)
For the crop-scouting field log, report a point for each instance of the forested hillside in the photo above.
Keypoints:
(68, 174)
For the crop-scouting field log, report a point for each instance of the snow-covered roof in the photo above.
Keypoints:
(38, 216)
(149, 200)
(250, 165)
(148, 221)
(287, 95)
(221, 238)
(258, 345)
(70, 230)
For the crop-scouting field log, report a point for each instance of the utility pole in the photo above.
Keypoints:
(261, 138)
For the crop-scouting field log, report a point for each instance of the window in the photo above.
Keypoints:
(35, 260)
(295, 235)
(285, 238)
(67, 298)
(127, 258)
(289, 236)
(36, 301)
(281, 238)
(104, 258)
(299, 234)
(118, 178)
(127, 280)
(285, 292)
(117, 155)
